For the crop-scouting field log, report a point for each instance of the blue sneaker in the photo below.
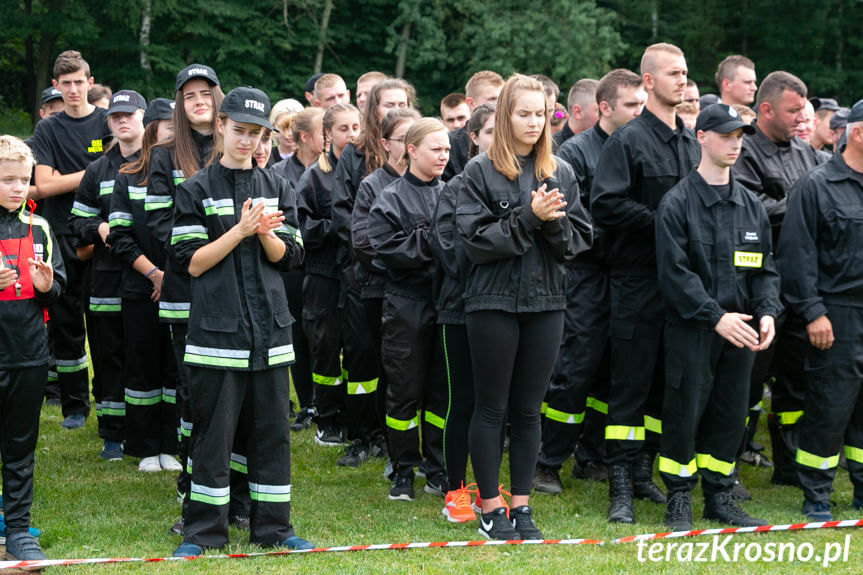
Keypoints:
(817, 511)
(112, 451)
(187, 549)
(295, 543)
(24, 547)
(74, 421)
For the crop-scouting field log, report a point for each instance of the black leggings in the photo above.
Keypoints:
(512, 356)
(461, 398)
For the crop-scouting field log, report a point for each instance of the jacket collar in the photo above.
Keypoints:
(836, 170)
(663, 130)
(709, 197)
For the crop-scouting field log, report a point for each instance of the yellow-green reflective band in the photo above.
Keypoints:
(169, 395)
(325, 380)
(652, 424)
(672, 467)
(597, 405)
(174, 313)
(563, 417)
(543, 406)
(402, 424)
(434, 419)
(362, 387)
(210, 495)
(788, 417)
(816, 461)
(239, 463)
(270, 493)
(71, 365)
(854, 454)
(624, 433)
(279, 355)
(215, 361)
(141, 398)
(707, 461)
(116, 408)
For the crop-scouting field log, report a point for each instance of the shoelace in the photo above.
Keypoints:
(462, 495)
(478, 503)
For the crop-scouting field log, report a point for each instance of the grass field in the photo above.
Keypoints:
(87, 507)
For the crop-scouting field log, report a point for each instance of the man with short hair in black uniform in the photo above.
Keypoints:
(639, 163)
(64, 145)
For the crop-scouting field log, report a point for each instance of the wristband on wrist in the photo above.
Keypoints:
(151, 272)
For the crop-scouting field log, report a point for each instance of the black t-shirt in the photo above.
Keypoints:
(68, 145)
(724, 190)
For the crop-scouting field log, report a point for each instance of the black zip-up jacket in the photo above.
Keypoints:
(398, 229)
(23, 335)
(92, 207)
(370, 278)
(714, 256)
(239, 317)
(819, 253)
(291, 169)
(638, 164)
(582, 151)
(162, 181)
(346, 181)
(561, 137)
(516, 259)
(451, 263)
(769, 170)
(315, 211)
(459, 141)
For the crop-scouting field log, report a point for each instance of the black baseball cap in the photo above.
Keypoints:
(839, 119)
(721, 118)
(247, 105)
(707, 100)
(49, 94)
(126, 101)
(159, 109)
(310, 83)
(196, 71)
(828, 104)
(856, 114)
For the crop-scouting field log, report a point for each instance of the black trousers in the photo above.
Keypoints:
(637, 379)
(67, 333)
(177, 332)
(362, 368)
(834, 408)
(374, 311)
(456, 352)
(585, 337)
(322, 322)
(301, 369)
(704, 410)
(108, 350)
(416, 394)
(21, 392)
(151, 381)
(591, 442)
(512, 357)
(240, 408)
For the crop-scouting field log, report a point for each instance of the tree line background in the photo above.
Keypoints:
(276, 45)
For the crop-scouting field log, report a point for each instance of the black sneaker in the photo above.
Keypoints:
(378, 447)
(241, 522)
(592, 471)
(437, 485)
(22, 546)
(723, 507)
(304, 418)
(678, 511)
(177, 528)
(329, 437)
(522, 522)
(738, 490)
(403, 488)
(547, 480)
(496, 525)
(355, 453)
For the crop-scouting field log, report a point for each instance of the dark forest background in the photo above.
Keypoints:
(435, 44)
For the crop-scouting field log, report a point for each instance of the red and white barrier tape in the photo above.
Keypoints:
(33, 565)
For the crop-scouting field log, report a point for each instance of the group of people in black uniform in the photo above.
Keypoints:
(617, 291)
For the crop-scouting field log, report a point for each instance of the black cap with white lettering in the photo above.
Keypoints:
(196, 71)
(247, 105)
(126, 101)
(49, 94)
(721, 118)
(159, 109)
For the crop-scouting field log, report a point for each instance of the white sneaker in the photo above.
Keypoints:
(169, 462)
(150, 464)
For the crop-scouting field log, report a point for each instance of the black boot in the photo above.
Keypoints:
(643, 485)
(784, 442)
(738, 491)
(620, 493)
(724, 508)
(678, 511)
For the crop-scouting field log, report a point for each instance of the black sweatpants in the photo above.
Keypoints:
(637, 379)
(21, 392)
(585, 337)
(512, 357)
(107, 349)
(704, 410)
(301, 369)
(67, 333)
(322, 322)
(456, 352)
(151, 381)
(413, 360)
(834, 408)
(244, 408)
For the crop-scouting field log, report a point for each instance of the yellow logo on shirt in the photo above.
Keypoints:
(95, 147)
(747, 259)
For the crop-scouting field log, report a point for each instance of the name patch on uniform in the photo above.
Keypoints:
(95, 147)
(747, 259)
(750, 236)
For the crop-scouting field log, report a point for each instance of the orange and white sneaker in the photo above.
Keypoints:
(457, 506)
(477, 504)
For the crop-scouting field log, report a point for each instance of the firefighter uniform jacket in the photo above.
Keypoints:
(452, 263)
(516, 258)
(370, 278)
(239, 318)
(714, 256)
(819, 247)
(315, 212)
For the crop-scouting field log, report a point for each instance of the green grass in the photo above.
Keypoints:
(87, 507)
